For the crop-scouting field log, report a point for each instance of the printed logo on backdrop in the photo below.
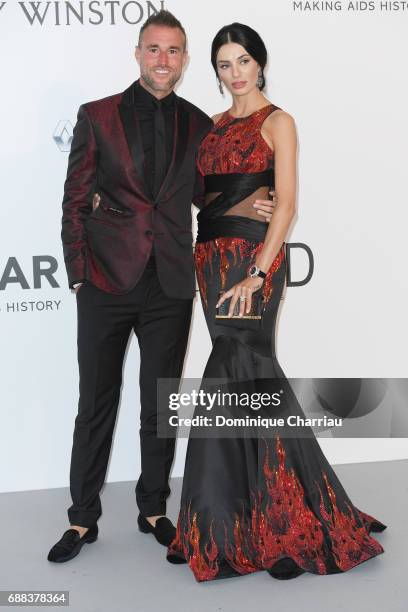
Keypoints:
(349, 6)
(92, 12)
(63, 135)
(40, 274)
(132, 12)
(291, 279)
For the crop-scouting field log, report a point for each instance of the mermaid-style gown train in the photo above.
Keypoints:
(251, 504)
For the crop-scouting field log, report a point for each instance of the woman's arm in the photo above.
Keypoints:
(280, 130)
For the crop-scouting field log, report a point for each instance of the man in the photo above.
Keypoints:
(129, 259)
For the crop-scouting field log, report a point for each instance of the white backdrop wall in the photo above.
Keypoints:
(339, 72)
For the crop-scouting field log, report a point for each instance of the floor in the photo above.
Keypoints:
(127, 571)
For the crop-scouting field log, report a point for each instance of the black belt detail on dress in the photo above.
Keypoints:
(234, 188)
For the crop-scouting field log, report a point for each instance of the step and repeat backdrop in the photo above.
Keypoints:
(339, 69)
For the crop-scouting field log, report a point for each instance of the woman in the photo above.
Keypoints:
(255, 503)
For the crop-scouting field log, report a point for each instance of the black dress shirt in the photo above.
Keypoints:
(146, 107)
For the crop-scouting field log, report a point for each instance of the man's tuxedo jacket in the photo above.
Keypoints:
(111, 245)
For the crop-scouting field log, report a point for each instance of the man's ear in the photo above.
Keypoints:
(137, 53)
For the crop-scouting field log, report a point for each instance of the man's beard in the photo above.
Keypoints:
(160, 87)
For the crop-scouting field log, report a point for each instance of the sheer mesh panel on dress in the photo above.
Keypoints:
(244, 208)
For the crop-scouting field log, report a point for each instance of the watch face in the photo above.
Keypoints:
(252, 271)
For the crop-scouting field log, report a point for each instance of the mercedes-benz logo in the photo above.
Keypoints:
(63, 135)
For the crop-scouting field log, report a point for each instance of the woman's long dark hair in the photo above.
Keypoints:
(246, 37)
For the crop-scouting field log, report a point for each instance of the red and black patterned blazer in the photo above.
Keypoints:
(111, 245)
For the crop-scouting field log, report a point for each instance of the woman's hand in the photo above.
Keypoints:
(243, 292)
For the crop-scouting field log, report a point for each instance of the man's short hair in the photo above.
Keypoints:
(162, 18)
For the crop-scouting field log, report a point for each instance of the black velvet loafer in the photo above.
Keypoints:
(71, 543)
(164, 531)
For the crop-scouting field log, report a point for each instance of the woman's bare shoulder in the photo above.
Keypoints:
(279, 128)
(281, 119)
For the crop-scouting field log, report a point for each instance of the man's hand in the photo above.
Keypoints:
(96, 201)
(265, 208)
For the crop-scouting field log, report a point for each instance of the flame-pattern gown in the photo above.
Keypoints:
(268, 503)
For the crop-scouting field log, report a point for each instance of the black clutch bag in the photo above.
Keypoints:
(249, 320)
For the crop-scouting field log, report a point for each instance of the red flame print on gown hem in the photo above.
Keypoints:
(286, 527)
(351, 543)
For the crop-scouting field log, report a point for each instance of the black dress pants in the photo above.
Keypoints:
(105, 322)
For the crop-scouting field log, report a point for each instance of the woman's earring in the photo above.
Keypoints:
(220, 86)
(260, 80)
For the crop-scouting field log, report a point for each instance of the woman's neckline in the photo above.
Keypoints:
(251, 114)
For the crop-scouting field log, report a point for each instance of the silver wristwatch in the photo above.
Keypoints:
(254, 271)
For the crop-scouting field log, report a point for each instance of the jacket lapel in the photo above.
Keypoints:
(133, 136)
